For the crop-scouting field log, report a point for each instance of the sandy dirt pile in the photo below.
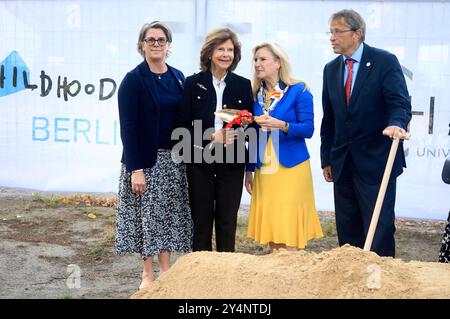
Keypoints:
(345, 272)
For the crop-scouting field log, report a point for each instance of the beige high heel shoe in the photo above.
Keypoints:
(144, 285)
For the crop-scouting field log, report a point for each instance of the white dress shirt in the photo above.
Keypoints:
(219, 86)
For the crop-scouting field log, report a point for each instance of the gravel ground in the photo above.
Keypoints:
(51, 249)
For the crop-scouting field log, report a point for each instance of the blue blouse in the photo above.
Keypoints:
(169, 97)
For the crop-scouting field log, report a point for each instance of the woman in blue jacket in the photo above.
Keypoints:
(153, 214)
(282, 211)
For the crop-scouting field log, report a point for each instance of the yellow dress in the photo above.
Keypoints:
(282, 208)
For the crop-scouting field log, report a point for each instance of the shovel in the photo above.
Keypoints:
(382, 191)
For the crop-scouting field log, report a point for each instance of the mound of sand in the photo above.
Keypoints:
(345, 272)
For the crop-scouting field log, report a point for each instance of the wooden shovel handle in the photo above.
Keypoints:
(381, 193)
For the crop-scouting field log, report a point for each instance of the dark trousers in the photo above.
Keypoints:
(215, 192)
(354, 203)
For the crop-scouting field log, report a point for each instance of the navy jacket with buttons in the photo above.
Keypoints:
(139, 116)
(199, 103)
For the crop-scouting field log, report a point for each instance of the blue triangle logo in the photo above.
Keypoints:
(11, 81)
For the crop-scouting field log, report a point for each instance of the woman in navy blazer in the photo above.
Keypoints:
(282, 210)
(215, 173)
(153, 214)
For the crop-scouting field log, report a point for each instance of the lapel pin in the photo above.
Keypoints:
(368, 64)
(202, 86)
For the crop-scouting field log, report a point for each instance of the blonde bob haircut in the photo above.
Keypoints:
(215, 38)
(284, 72)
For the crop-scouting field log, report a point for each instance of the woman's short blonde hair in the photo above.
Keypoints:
(152, 25)
(284, 73)
(215, 38)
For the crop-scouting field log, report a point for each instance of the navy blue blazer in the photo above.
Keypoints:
(379, 98)
(296, 108)
(139, 116)
(199, 103)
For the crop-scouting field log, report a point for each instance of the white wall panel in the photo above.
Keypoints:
(89, 41)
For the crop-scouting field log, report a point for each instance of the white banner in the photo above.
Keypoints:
(62, 62)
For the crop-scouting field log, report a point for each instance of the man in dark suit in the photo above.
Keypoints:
(365, 103)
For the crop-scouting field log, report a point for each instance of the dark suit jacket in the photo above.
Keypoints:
(379, 98)
(199, 103)
(139, 116)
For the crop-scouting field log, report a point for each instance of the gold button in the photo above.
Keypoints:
(224, 106)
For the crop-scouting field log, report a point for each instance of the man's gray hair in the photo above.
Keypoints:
(353, 19)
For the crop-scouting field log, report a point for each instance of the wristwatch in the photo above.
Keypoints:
(285, 128)
(137, 170)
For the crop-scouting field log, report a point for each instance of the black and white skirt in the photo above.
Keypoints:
(444, 255)
(160, 219)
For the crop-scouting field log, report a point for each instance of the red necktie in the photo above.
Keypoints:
(348, 83)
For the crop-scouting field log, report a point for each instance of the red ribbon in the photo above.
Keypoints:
(244, 114)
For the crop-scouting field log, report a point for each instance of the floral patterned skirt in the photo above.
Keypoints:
(444, 255)
(160, 219)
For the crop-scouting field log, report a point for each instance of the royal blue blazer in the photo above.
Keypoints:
(139, 116)
(296, 108)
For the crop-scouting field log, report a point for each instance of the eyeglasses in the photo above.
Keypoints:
(152, 41)
(337, 33)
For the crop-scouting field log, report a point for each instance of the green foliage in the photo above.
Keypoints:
(48, 202)
(99, 251)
